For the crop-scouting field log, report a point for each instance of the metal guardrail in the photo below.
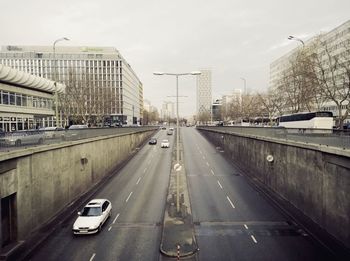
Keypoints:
(334, 138)
(31, 138)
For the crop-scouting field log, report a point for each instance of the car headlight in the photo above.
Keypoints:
(93, 227)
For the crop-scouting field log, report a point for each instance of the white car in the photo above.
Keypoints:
(92, 217)
(165, 144)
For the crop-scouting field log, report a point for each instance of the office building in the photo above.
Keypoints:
(337, 42)
(168, 111)
(204, 94)
(100, 82)
(26, 101)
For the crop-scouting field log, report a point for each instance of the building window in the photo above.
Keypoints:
(19, 99)
(12, 99)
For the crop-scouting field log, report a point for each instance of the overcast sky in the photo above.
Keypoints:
(233, 38)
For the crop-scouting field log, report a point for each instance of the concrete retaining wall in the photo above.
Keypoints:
(315, 179)
(47, 178)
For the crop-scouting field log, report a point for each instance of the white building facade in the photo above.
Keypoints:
(26, 101)
(334, 40)
(110, 87)
(204, 92)
(168, 111)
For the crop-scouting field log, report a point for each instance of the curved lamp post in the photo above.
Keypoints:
(293, 38)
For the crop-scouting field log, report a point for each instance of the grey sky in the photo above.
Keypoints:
(233, 38)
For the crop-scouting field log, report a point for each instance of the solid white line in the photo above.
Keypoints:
(109, 229)
(93, 256)
(116, 218)
(212, 172)
(229, 200)
(138, 181)
(246, 227)
(253, 239)
(207, 164)
(219, 184)
(129, 197)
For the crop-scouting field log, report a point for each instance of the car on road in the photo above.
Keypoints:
(78, 126)
(169, 132)
(171, 129)
(53, 132)
(152, 141)
(165, 144)
(19, 138)
(92, 217)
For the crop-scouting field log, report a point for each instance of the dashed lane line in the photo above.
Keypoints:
(229, 200)
(129, 197)
(138, 181)
(254, 239)
(207, 163)
(220, 184)
(115, 218)
(109, 229)
(246, 227)
(212, 172)
(93, 256)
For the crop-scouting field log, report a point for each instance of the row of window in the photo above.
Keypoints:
(17, 99)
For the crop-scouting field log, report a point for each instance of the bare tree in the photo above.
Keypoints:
(271, 103)
(332, 73)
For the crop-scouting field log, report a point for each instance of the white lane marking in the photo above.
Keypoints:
(246, 227)
(93, 256)
(203, 157)
(144, 171)
(253, 239)
(220, 184)
(129, 197)
(116, 218)
(109, 229)
(229, 200)
(212, 172)
(200, 152)
(207, 163)
(138, 181)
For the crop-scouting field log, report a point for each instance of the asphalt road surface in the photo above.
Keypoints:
(138, 195)
(232, 220)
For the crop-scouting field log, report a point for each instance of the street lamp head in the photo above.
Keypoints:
(65, 38)
(290, 37)
(196, 73)
(158, 73)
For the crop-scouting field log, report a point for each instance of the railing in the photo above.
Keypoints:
(30, 138)
(334, 138)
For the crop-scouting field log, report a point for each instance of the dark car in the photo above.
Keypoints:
(152, 141)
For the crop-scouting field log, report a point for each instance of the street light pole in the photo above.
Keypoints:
(177, 129)
(291, 37)
(245, 85)
(55, 76)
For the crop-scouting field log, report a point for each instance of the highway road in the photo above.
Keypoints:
(232, 220)
(138, 196)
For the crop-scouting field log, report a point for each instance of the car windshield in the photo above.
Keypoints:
(91, 211)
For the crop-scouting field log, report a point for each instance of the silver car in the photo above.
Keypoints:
(22, 137)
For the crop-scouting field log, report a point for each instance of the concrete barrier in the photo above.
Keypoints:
(36, 184)
(314, 179)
